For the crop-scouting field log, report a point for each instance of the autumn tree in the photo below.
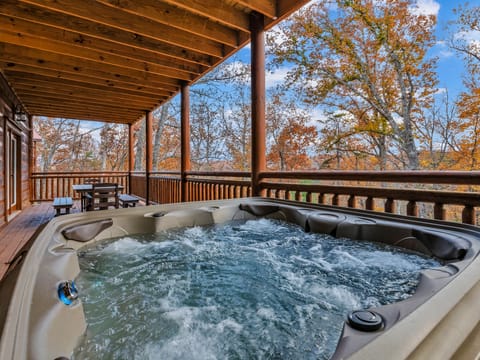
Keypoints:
(439, 133)
(166, 146)
(113, 149)
(365, 51)
(65, 146)
(290, 138)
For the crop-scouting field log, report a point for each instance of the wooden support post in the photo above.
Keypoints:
(131, 156)
(257, 29)
(148, 152)
(185, 140)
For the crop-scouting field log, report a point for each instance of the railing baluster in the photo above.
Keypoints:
(352, 201)
(298, 195)
(438, 211)
(412, 208)
(370, 203)
(335, 200)
(321, 198)
(390, 206)
(308, 197)
(468, 215)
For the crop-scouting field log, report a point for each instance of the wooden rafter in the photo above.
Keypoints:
(113, 60)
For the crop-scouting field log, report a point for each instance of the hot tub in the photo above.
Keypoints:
(440, 320)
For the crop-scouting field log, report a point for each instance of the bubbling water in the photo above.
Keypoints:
(259, 289)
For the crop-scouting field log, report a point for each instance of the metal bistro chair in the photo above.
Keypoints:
(103, 196)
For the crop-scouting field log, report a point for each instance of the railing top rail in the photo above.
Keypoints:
(78, 173)
(418, 176)
(219, 173)
(435, 196)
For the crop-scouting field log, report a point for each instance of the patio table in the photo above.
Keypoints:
(83, 189)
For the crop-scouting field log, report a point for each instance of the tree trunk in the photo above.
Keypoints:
(140, 147)
(158, 136)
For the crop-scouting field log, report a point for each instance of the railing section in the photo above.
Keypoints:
(45, 186)
(165, 186)
(442, 195)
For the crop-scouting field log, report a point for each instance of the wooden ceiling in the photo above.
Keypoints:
(112, 60)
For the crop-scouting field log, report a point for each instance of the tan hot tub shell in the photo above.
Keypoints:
(441, 321)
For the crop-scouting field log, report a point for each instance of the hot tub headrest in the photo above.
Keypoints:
(259, 209)
(443, 246)
(87, 231)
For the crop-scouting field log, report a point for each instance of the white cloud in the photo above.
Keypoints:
(426, 7)
(275, 77)
(443, 50)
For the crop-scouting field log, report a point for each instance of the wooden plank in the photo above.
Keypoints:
(100, 57)
(177, 18)
(86, 115)
(31, 57)
(73, 112)
(16, 53)
(264, 7)
(25, 27)
(16, 9)
(87, 97)
(29, 84)
(75, 79)
(106, 15)
(215, 10)
(72, 102)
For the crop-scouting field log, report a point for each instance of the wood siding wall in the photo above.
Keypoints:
(23, 131)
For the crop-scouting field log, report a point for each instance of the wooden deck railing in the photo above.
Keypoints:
(45, 186)
(444, 195)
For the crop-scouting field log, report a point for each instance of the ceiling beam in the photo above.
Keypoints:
(264, 7)
(99, 57)
(11, 69)
(217, 11)
(72, 96)
(62, 103)
(24, 28)
(23, 55)
(16, 9)
(35, 81)
(177, 18)
(106, 15)
(90, 116)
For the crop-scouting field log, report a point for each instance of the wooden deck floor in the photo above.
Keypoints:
(15, 235)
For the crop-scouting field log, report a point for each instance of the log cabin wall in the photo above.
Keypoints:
(21, 130)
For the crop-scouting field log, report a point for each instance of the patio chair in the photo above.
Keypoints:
(103, 196)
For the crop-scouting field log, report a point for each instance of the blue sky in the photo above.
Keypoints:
(450, 67)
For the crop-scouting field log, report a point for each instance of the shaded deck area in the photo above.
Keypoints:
(15, 236)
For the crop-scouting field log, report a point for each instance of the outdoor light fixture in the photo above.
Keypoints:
(20, 114)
